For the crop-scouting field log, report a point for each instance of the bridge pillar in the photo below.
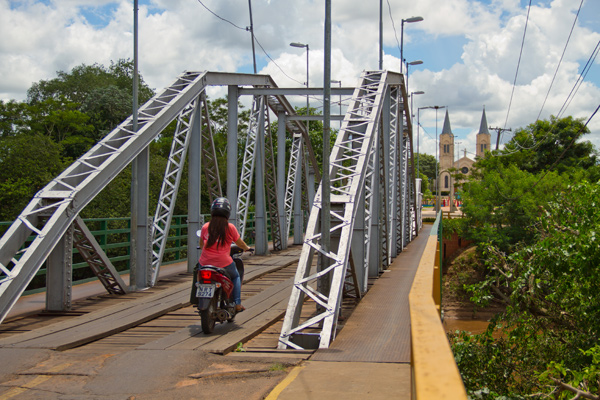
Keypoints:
(260, 214)
(140, 248)
(375, 243)
(59, 274)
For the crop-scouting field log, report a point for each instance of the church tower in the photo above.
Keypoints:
(483, 137)
(446, 145)
(446, 154)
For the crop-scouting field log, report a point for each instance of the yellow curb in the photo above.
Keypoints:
(283, 384)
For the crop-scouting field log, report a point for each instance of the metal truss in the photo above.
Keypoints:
(245, 187)
(271, 186)
(85, 242)
(170, 186)
(393, 171)
(290, 188)
(55, 207)
(349, 158)
(210, 165)
(383, 216)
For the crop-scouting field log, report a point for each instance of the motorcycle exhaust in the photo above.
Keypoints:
(223, 315)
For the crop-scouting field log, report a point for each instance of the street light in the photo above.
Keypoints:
(302, 45)
(416, 62)
(437, 180)
(411, 104)
(409, 20)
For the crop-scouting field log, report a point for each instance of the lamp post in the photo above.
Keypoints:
(416, 62)
(301, 45)
(437, 180)
(411, 104)
(409, 20)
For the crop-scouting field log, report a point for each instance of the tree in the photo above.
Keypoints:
(550, 330)
(427, 164)
(27, 164)
(551, 144)
(501, 199)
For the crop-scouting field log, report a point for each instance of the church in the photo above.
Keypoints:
(464, 164)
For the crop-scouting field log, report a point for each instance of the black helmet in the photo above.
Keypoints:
(220, 208)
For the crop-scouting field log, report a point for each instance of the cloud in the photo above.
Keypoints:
(177, 35)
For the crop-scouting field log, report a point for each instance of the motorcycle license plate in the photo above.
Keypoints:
(205, 291)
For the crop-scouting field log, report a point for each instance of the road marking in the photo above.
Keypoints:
(37, 381)
(283, 384)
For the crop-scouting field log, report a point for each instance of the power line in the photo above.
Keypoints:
(561, 58)
(255, 39)
(221, 18)
(580, 79)
(557, 159)
(394, 26)
(518, 64)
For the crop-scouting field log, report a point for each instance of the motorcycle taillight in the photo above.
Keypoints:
(205, 274)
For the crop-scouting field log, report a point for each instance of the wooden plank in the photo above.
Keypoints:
(108, 321)
(192, 337)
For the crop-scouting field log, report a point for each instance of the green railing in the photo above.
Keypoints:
(114, 236)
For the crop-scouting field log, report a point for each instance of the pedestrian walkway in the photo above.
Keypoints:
(370, 358)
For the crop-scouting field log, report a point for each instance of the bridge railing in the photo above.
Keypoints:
(434, 371)
(113, 235)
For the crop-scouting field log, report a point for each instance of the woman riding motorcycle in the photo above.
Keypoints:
(216, 237)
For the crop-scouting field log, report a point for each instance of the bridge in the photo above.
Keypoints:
(374, 213)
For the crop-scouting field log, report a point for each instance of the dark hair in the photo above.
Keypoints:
(217, 231)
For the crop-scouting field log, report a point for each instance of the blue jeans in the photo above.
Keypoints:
(237, 282)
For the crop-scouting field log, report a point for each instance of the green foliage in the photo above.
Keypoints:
(427, 164)
(536, 233)
(540, 145)
(551, 288)
(501, 202)
(27, 164)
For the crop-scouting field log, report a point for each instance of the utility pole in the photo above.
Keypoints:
(251, 28)
(500, 130)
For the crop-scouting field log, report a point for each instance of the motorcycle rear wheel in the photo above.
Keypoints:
(207, 317)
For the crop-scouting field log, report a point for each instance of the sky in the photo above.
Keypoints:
(470, 49)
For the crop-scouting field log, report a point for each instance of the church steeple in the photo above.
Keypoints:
(446, 145)
(483, 137)
(447, 130)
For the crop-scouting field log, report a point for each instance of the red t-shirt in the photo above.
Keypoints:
(215, 255)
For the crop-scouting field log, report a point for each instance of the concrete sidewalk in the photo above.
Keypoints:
(370, 358)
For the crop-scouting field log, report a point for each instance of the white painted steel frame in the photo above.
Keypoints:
(349, 159)
(53, 209)
(290, 188)
(170, 186)
(247, 174)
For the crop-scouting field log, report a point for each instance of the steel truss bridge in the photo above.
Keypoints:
(374, 194)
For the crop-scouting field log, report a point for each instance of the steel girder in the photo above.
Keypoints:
(55, 207)
(349, 159)
(92, 253)
(170, 186)
(209, 155)
(271, 186)
(393, 171)
(290, 188)
(243, 200)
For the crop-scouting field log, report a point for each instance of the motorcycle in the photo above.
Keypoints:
(212, 292)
